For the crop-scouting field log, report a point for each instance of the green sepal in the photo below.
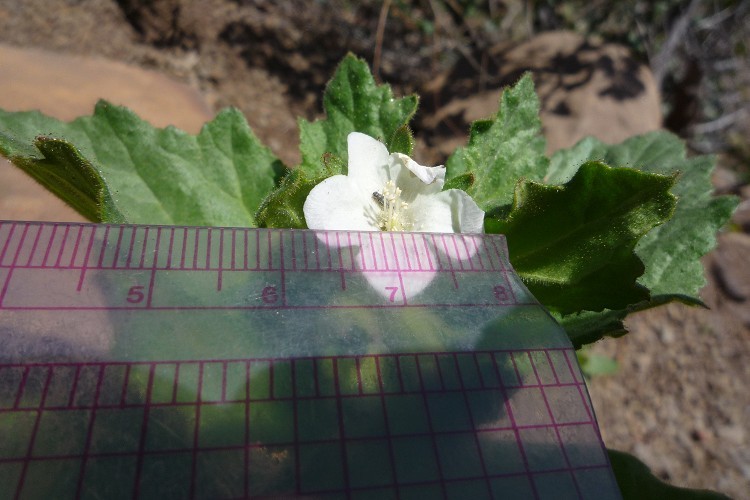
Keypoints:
(283, 208)
(402, 141)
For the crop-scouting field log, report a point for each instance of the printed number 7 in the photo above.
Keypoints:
(393, 290)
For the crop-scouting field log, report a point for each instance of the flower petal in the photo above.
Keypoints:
(451, 211)
(339, 203)
(368, 160)
(427, 175)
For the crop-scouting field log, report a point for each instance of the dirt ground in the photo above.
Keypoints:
(679, 400)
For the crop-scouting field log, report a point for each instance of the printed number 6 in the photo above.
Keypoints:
(135, 294)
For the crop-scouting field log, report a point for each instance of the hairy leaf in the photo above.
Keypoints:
(353, 102)
(671, 252)
(573, 244)
(503, 149)
(114, 167)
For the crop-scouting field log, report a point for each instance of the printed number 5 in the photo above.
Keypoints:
(393, 290)
(135, 294)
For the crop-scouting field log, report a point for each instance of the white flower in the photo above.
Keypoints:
(391, 192)
(385, 192)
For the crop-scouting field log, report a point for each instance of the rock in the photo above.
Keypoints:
(65, 87)
(586, 88)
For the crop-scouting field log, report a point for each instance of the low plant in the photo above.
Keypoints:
(595, 231)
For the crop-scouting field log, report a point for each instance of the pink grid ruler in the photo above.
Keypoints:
(153, 362)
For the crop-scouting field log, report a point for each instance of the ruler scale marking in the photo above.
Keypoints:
(429, 377)
(13, 264)
(568, 468)
(85, 265)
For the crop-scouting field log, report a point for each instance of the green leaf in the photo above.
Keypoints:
(353, 102)
(637, 482)
(283, 207)
(671, 252)
(114, 167)
(573, 244)
(70, 176)
(502, 150)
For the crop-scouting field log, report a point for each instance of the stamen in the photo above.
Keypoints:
(394, 213)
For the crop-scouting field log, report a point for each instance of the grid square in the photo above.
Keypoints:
(282, 379)
(528, 407)
(170, 428)
(556, 485)
(429, 373)
(488, 409)
(15, 427)
(566, 404)
(304, 378)
(138, 383)
(363, 417)
(582, 445)
(109, 477)
(415, 460)
(500, 452)
(187, 383)
(166, 475)
(271, 471)
(51, 479)
(220, 474)
(389, 374)
(368, 374)
(271, 422)
(60, 386)
(475, 489)
(488, 372)
(61, 432)
(369, 464)
(448, 372)
(459, 456)
(511, 487)
(349, 378)
(10, 473)
(542, 449)
(469, 371)
(10, 382)
(410, 377)
(222, 425)
(162, 389)
(448, 412)
(317, 419)
(113, 380)
(321, 467)
(406, 414)
(116, 430)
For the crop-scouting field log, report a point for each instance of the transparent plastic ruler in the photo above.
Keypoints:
(181, 362)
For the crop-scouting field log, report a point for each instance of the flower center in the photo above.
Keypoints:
(394, 212)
